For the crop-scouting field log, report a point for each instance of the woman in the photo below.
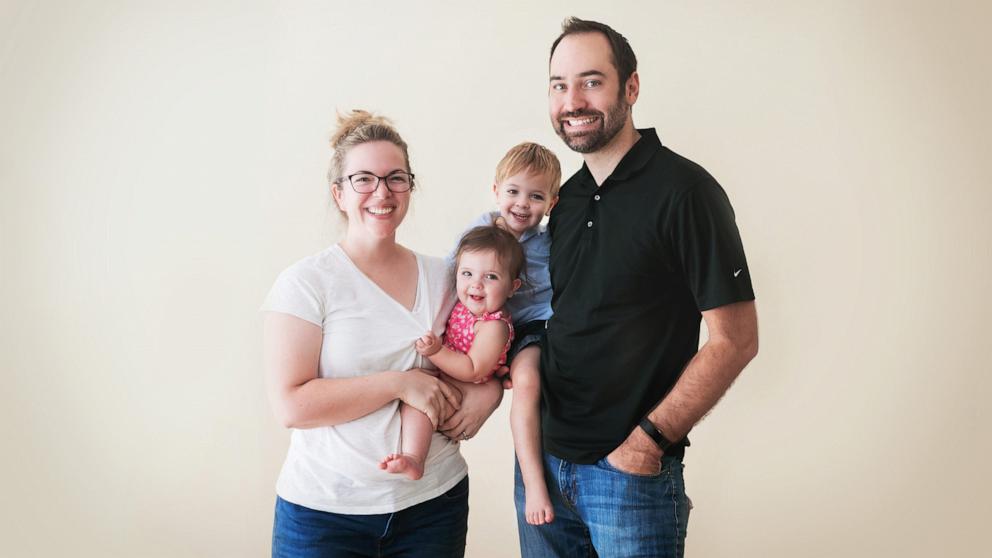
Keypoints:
(339, 337)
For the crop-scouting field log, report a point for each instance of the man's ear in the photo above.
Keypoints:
(632, 88)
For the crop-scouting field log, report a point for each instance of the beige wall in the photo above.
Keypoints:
(159, 165)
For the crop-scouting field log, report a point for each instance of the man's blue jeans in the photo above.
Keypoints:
(433, 529)
(602, 511)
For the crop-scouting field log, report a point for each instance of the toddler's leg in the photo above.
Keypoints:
(415, 440)
(525, 422)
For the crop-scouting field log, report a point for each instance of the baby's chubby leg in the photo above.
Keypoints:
(415, 441)
(525, 422)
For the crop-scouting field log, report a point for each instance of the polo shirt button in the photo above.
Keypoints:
(596, 197)
(589, 224)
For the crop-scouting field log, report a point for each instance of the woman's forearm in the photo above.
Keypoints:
(331, 401)
(301, 399)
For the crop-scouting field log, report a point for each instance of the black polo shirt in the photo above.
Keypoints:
(633, 263)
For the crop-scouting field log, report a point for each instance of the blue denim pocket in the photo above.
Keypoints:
(604, 463)
(633, 515)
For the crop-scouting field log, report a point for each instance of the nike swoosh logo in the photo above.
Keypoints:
(738, 272)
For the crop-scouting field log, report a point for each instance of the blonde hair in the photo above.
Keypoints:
(355, 128)
(532, 158)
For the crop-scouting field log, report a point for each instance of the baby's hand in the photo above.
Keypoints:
(501, 223)
(428, 344)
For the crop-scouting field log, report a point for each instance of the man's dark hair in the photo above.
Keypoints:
(623, 56)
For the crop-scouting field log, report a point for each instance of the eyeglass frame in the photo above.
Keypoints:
(378, 181)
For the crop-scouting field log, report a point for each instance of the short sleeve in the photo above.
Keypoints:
(293, 294)
(708, 247)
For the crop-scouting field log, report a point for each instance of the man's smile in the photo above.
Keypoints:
(573, 122)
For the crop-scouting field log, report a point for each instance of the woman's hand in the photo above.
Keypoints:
(429, 395)
(478, 403)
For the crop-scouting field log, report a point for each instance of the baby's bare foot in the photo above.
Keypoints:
(537, 507)
(403, 464)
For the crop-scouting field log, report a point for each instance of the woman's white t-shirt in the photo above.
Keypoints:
(336, 468)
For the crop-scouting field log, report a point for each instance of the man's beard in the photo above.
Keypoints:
(609, 126)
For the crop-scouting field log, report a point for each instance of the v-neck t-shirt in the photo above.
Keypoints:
(365, 331)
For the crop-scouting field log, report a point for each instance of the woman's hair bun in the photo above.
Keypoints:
(352, 121)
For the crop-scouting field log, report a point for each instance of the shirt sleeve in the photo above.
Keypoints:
(293, 294)
(708, 247)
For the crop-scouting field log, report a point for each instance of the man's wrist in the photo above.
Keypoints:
(656, 436)
(641, 442)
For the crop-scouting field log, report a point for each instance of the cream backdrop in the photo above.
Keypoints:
(161, 162)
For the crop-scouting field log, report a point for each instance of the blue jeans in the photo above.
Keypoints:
(435, 529)
(602, 511)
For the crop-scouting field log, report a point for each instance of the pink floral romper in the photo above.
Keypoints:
(460, 332)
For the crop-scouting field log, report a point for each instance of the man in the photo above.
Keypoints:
(644, 244)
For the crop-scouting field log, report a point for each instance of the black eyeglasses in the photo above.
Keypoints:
(366, 182)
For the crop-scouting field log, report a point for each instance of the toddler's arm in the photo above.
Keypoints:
(428, 344)
(480, 361)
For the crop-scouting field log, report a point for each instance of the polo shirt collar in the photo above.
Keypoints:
(638, 156)
(635, 159)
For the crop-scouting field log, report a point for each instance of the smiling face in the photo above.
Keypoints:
(377, 214)
(483, 282)
(588, 104)
(523, 200)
